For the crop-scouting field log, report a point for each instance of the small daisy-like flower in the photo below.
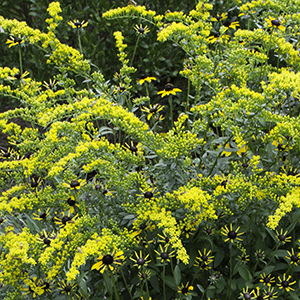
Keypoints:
(284, 282)
(103, 189)
(146, 226)
(219, 18)
(68, 289)
(231, 234)
(19, 77)
(145, 275)
(72, 203)
(258, 294)
(217, 37)
(169, 90)
(204, 259)
(270, 293)
(279, 144)
(140, 260)
(185, 289)
(144, 78)
(6, 153)
(259, 254)
(109, 261)
(121, 88)
(149, 193)
(188, 230)
(75, 184)
(163, 255)
(244, 258)
(51, 85)
(282, 236)
(209, 230)
(140, 30)
(274, 23)
(35, 288)
(35, 181)
(164, 238)
(77, 24)
(2, 220)
(14, 40)
(46, 286)
(152, 110)
(42, 214)
(64, 220)
(213, 279)
(246, 295)
(45, 238)
(293, 257)
(132, 147)
(267, 279)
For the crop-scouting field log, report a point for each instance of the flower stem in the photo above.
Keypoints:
(20, 58)
(164, 279)
(133, 55)
(79, 42)
(114, 286)
(171, 110)
(126, 285)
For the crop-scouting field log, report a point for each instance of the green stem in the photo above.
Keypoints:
(79, 42)
(114, 286)
(109, 292)
(171, 110)
(188, 97)
(126, 285)
(164, 279)
(20, 58)
(133, 55)
(147, 289)
(230, 273)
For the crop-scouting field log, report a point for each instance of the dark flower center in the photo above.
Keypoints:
(71, 202)
(259, 255)
(219, 18)
(184, 290)
(133, 149)
(275, 22)
(153, 109)
(46, 286)
(143, 76)
(1, 220)
(245, 165)
(208, 230)
(144, 276)
(143, 226)
(47, 241)
(269, 294)
(164, 255)
(204, 257)
(108, 259)
(280, 147)
(281, 237)
(294, 258)
(267, 279)
(223, 183)
(65, 219)
(67, 288)
(17, 40)
(247, 296)
(169, 87)
(43, 216)
(148, 195)
(122, 88)
(285, 284)
(34, 184)
(18, 75)
(260, 298)
(141, 30)
(74, 184)
(217, 34)
(232, 234)
(98, 187)
(6, 154)
(140, 261)
(77, 24)
(104, 192)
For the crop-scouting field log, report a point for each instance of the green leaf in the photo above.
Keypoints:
(177, 275)
(200, 287)
(294, 295)
(169, 280)
(244, 272)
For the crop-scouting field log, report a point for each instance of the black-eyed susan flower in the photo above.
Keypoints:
(246, 295)
(144, 275)
(34, 287)
(45, 238)
(6, 153)
(259, 254)
(232, 25)
(274, 23)
(231, 235)
(270, 293)
(163, 255)
(144, 78)
(50, 85)
(109, 261)
(140, 260)
(169, 90)
(219, 18)
(131, 147)
(68, 289)
(152, 110)
(41, 215)
(75, 184)
(293, 257)
(185, 289)
(282, 236)
(164, 238)
(204, 259)
(188, 230)
(244, 258)
(140, 30)
(259, 294)
(217, 37)
(35, 181)
(77, 24)
(213, 279)
(267, 279)
(285, 283)
(46, 285)
(64, 219)
(72, 203)
(14, 41)
(19, 77)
